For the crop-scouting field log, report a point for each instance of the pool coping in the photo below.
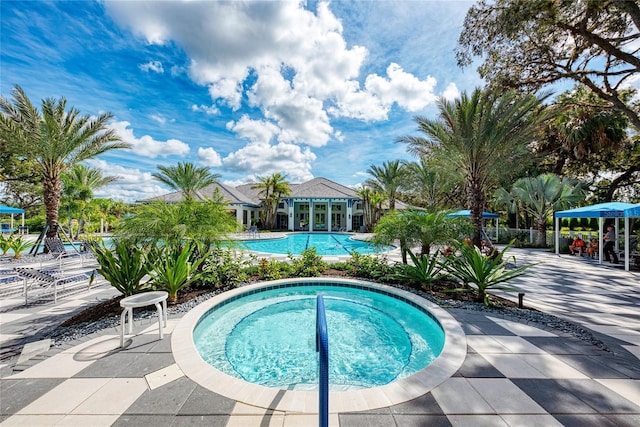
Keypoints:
(409, 388)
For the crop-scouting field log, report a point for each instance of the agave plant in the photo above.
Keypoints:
(423, 270)
(19, 245)
(174, 268)
(479, 273)
(124, 267)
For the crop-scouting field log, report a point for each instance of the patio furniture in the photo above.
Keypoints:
(56, 248)
(157, 298)
(47, 279)
(6, 228)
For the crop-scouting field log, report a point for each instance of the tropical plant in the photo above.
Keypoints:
(371, 206)
(309, 264)
(80, 182)
(479, 273)
(387, 179)
(124, 267)
(173, 268)
(5, 243)
(474, 138)
(374, 267)
(272, 269)
(544, 194)
(159, 222)
(56, 138)
(222, 268)
(271, 190)
(186, 177)
(427, 186)
(423, 270)
(19, 245)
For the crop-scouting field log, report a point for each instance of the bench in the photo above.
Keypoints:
(157, 298)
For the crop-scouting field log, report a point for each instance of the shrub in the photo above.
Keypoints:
(18, 245)
(369, 267)
(172, 270)
(223, 268)
(272, 269)
(309, 264)
(123, 268)
(478, 273)
(423, 270)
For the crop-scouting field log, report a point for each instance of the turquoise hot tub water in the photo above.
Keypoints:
(325, 244)
(268, 337)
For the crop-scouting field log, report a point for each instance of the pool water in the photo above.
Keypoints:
(325, 244)
(268, 338)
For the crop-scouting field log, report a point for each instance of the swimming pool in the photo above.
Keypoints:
(325, 244)
(297, 397)
(268, 338)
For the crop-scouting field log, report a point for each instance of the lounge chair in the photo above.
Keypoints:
(47, 280)
(253, 231)
(59, 252)
(6, 228)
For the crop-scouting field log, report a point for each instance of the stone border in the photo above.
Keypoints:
(416, 385)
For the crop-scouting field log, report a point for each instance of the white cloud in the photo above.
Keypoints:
(451, 92)
(299, 63)
(261, 131)
(146, 145)
(207, 109)
(161, 119)
(265, 159)
(209, 157)
(131, 186)
(155, 66)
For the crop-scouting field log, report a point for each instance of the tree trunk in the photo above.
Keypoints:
(475, 199)
(52, 188)
(542, 233)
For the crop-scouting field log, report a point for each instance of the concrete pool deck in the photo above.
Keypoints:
(514, 373)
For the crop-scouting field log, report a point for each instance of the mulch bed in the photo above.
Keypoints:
(112, 307)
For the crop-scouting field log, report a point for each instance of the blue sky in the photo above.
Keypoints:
(310, 89)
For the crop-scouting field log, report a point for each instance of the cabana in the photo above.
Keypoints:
(12, 211)
(485, 215)
(615, 210)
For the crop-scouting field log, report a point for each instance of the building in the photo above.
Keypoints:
(316, 205)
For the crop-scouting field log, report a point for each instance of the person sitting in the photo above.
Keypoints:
(592, 249)
(578, 245)
(485, 248)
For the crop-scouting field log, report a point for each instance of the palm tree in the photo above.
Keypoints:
(542, 195)
(428, 186)
(387, 179)
(186, 177)
(479, 138)
(56, 138)
(272, 189)
(371, 206)
(79, 184)
(171, 224)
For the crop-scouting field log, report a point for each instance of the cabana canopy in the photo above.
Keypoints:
(602, 210)
(12, 211)
(467, 212)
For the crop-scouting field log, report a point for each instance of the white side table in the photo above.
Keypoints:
(157, 298)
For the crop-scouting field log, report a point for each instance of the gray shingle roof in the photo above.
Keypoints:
(246, 195)
(322, 188)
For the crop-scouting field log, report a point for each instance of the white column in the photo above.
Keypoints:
(310, 215)
(239, 210)
(557, 236)
(627, 249)
(329, 228)
(600, 240)
(349, 215)
(292, 216)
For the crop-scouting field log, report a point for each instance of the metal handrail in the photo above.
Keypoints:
(322, 347)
